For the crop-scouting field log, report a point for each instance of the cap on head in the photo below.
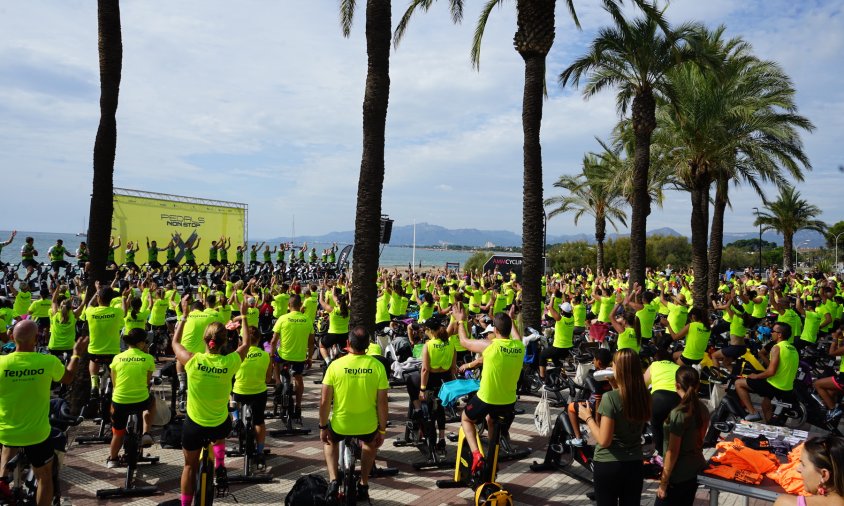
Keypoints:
(489, 328)
(566, 307)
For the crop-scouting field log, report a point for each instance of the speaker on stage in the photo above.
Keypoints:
(386, 229)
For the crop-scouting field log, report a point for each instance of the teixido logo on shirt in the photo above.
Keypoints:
(357, 370)
(256, 354)
(11, 373)
(212, 370)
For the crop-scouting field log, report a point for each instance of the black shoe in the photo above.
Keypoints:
(221, 478)
(261, 461)
(441, 446)
(332, 492)
(363, 492)
(297, 416)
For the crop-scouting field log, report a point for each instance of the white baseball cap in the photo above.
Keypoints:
(488, 329)
(565, 307)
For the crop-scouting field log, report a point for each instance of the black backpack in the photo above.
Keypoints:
(309, 490)
(171, 437)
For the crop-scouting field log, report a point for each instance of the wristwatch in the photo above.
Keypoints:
(323, 427)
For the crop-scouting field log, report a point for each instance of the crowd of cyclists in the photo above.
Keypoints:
(232, 327)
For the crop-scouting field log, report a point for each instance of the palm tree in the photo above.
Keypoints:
(767, 144)
(371, 180)
(634, 57)
(533, 40)
(726, 123)
(105, 147)
(788, 215)
(590, 193)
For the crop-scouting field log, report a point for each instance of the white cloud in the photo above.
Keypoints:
(261, 103)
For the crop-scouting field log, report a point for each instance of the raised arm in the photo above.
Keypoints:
(182, 354)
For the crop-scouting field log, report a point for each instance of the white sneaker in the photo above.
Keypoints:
(147, 440)
(111, 463)
(753, 417)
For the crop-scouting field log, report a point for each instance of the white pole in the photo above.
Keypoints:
(836, 251)
(413, 262)
(294, 229)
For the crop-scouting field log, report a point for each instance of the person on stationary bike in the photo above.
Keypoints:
(250, 387)
(25, 380)
(356, 385)
(439, 364)
(563, 336)
(597, 388)
(131, 372)
(104, 324)
(830, 387)
(503, 356)
(291, 334)
(209, 376)
(739, 320)
(777, 380)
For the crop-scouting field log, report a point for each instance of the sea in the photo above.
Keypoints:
(391, 256)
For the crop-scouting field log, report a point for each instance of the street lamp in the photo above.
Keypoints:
(836, 249)
(756, 211)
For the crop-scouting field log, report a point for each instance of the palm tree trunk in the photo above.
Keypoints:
(532, 205)
(644, 123)
(600, 235)
(700, 228)
(371, 182)
(716, 239)
(788, 250)
(105, 147)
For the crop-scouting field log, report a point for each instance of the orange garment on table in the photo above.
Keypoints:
(787, 475)
(733, 474)
(736, 454)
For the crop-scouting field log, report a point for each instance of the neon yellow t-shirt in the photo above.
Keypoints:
(563, 333)
(22, 303)
(62, 335)
(293, 329)
(663, 376)
(356, 380)
(25, 379)
(131, 371)
(252, 375)
(503, 360)
(104, 324)
(382, 308)
(209, 385)
(627, 339)
(40, 308)
(280, 304)
(440, 353)
(697, 340)
(158, 313)
(337, 324)
(195, 324)
(138, 322)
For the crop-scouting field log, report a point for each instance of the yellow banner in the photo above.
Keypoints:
(137, 218)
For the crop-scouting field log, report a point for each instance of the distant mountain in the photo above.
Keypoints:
(434, 235)
(811, 238)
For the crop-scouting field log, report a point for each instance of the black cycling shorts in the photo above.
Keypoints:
(762, 388)
(193, 435)
(258, 402)
(690, 361)
(101, 359)
(341, 340)
(43, 322)
(40, 454)
(296, 368)
(337, 437)
(120, 412)
(26, 264)
(476, 410)
(733, 351)
(59, 264)
(555, 354)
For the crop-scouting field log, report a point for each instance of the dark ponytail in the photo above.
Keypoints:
(136, 306)
(701, 317)
(344, 303)
(689, 380)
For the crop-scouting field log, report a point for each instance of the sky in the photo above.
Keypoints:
(260, 102)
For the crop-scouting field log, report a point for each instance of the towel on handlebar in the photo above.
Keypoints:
(408, 366)
(450, 391)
